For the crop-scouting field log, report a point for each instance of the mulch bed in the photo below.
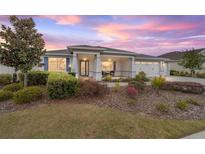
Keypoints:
(144, 103)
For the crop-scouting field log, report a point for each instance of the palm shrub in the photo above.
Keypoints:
(157, 83)
(182, 104)
(162, 107)
(61, 85)
(117, 86)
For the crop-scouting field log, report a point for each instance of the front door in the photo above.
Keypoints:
(84, 68)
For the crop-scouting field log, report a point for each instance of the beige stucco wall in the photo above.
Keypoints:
(4, 69)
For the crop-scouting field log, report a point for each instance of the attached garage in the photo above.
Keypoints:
(150, 68)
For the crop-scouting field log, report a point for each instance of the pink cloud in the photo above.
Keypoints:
(178, 26)
(65, 20)
(127, 31)
(114, 30)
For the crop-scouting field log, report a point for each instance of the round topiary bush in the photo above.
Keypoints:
(13, 87)
(28, 95)
(5, 95)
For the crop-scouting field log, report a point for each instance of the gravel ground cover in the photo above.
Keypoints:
(144, 103)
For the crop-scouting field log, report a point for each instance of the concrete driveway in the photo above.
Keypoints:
(200, 135)
(185, 79)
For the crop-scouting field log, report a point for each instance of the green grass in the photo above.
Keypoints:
(89, 121)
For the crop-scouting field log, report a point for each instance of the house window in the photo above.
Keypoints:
(57, 64)
(107, 66)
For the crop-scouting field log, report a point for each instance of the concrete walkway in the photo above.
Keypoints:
(185, 79)
(112, 84)
(200, 135)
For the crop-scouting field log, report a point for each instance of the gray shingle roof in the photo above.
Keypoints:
(57, 52)
(103, 50)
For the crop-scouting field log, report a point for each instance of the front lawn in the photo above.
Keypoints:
(66, 120)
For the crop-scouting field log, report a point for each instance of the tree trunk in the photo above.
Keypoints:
(15, 76)
(25, 79)
(192, 73)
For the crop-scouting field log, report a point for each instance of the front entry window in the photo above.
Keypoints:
(107, 66)
(57, 64)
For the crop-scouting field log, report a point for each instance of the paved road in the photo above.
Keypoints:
(200, 135)
(188, 79)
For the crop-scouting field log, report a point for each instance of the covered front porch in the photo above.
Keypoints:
(97, 66)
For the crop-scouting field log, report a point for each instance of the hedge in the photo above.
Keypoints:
(5, 79)
(5, 95)
(13, 87)
(35, 78)
(28, 95)
(61, 85)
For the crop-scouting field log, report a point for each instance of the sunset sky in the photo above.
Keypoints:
(153, 35)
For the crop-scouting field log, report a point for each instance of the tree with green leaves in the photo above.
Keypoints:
(192, 60)
(22, 45)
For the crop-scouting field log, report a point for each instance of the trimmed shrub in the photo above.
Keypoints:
(174, 72)
(158, 82)
(28, 94)
(5, 79)
(137, 84)
(5, 95)
(141, 76)
(162, 107)
(187, 87)
(121, 79)
(128, 79)
(35, 78)
(132, 92)
(193, 102)
(61, 85)
(13, 87)
(182, 104)
(91, 88)
(72, 73)
(184, 73)
(107, 78)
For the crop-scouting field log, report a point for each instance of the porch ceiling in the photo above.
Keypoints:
(86, 56)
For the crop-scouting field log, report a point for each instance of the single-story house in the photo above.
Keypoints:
(176, 56)
(97, 61)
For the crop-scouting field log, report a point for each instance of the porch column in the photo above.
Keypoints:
(98, 74)
(75, 64)
(168, 69)
(133, 67)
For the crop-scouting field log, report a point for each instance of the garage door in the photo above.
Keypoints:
(150, 68)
